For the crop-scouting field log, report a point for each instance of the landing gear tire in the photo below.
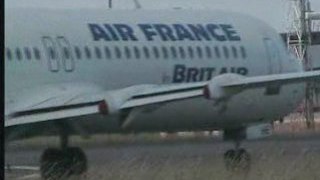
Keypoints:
(237, 160)
(78, 160)
(57, 164)
(52, 164)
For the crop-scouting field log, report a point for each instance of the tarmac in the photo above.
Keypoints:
(282, 156)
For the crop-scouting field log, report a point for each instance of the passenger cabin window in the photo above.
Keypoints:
(226, 52)
(165, 52)
(97, 52)
(243, 52)
(117, 52)
(77, 52)
(208, 52)
(36, 53)
(156, 52)
(66, 53)
(18, 54)
(52, 53)
(127, 52)
(190, 51)
(87, 52)
(146, 52)
(199, 51)
(217, 52)
(27, 53)
(136, 52)
(234, 52)
(182, 52)
(107, 52)
(174, 52)
(8, 54)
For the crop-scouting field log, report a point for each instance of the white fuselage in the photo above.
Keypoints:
(117, 49)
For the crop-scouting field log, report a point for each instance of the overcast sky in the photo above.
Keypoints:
(274, 12)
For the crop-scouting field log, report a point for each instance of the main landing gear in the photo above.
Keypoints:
(62, 163)
(237, 159)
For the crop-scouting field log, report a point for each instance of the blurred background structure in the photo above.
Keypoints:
(302, 36)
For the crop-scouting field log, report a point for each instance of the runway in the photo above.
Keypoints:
(141, 157)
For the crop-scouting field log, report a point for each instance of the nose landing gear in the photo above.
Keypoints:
(237, 159)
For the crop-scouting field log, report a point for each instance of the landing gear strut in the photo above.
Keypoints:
(59, 163)
(237, 159)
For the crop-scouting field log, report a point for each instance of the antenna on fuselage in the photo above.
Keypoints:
(137, 4)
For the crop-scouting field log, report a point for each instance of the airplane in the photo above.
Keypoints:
(85, 72)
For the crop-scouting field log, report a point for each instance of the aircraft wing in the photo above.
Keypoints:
(111, 102)
(230, 84)
(281, 79)
(70, 104)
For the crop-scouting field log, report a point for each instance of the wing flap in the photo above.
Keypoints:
(160, 98)
(281, 79)
(29, 117)
(158, 90)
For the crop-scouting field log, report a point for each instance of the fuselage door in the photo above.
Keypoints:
(273, 55)
(51, 53)
(66, 54)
